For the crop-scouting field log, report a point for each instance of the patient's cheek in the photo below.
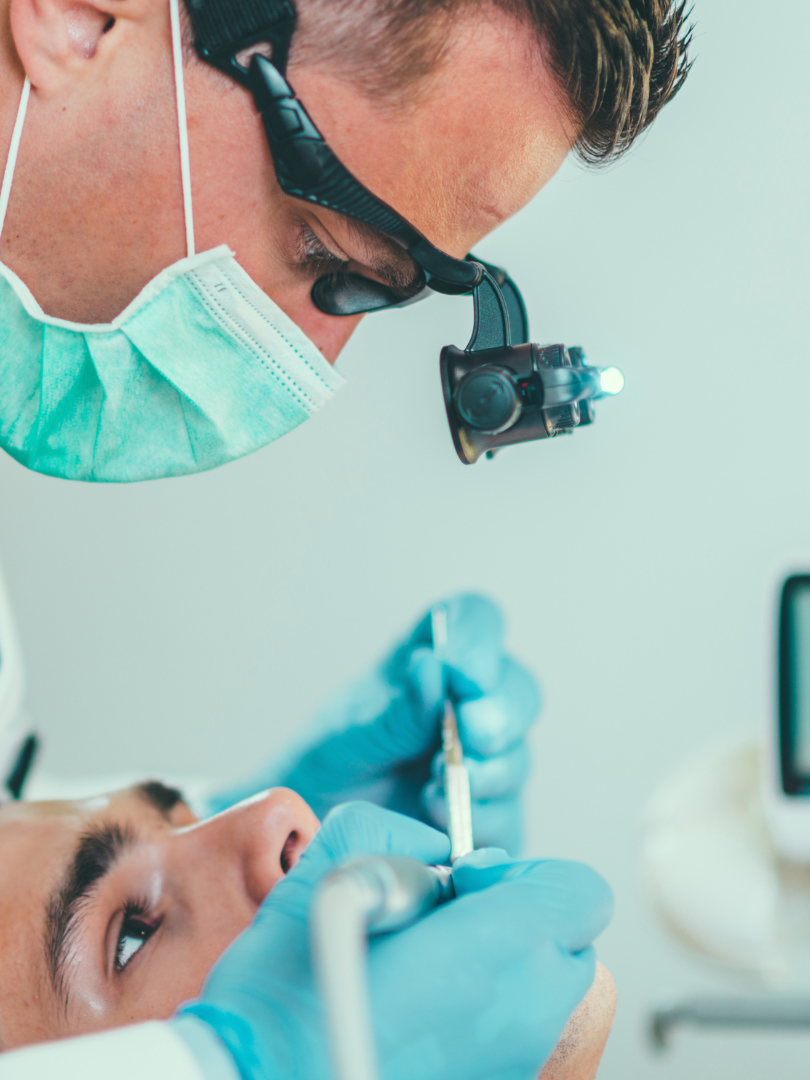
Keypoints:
(582, 1043)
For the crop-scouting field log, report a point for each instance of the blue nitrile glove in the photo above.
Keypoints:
(481, 987)
(379, 739)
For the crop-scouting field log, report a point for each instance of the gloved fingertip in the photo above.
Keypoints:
(493, 722)
(424, 677)
(474, 644)
(482, 858)
(355, 828)
(474, 674)
(474, 616)
(501, 776)
(499, 822)
(471, 877)
(433, 804)
(485, 726)
(575, 896)
(437, 766)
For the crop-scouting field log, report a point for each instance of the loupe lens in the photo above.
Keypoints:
(487, 399)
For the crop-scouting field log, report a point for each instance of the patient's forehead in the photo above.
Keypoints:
(36, 842)
(65, 809)
(37, 838)
(41, 834)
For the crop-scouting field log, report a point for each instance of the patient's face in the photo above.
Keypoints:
(114, 909)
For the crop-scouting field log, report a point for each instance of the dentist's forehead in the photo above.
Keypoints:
(454, 164)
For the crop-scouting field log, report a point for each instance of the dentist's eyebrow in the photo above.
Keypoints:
(96, 853)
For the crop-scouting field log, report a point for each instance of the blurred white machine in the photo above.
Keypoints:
(726, 848)
(787, 777)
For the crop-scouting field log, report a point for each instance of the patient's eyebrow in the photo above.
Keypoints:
(159, 796)
(96, 853)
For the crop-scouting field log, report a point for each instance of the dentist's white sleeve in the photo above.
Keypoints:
(184, 1049)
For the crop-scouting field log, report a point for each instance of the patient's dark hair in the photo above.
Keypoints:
(618, 62)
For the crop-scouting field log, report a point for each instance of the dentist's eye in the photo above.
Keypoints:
(315, 257)
(135, 932)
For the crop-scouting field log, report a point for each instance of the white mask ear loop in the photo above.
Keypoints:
(11, 160)
(182, 123)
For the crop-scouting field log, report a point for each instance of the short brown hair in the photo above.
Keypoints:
(618, 62)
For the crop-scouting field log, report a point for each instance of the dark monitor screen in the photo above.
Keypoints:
(794, 684)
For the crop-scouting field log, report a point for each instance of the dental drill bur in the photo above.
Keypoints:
(456, 777)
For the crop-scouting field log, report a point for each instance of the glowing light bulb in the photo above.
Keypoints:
(612, 381)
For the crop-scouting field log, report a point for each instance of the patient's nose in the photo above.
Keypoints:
(266, 835)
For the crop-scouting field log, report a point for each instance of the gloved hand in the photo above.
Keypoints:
(379, 739)
(481, 987)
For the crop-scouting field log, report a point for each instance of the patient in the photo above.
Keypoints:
(114, 909)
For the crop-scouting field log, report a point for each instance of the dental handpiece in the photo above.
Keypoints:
(369, 895)
(456, 778)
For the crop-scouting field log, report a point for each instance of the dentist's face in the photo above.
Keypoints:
(114, 909)
(96, 208)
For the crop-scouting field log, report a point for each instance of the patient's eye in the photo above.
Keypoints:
(136, 929)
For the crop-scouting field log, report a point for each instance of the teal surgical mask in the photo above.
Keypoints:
(200, 369)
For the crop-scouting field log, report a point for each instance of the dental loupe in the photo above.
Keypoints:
(499, 390)
(497, 394)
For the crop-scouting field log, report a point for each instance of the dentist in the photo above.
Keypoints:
(159, 316)
(171, 297)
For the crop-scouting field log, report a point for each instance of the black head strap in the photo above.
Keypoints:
(224, 28)
(307, 168)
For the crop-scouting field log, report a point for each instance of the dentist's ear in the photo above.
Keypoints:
(57, 39)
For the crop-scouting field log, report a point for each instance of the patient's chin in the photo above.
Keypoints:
(582, 1043)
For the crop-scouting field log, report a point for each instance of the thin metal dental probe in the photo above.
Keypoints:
(376, 894)
(456, 778)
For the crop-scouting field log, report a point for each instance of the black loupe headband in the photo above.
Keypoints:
(500, 390)
(307, 168)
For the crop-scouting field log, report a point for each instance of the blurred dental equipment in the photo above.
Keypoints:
(18, 744)
(787, 783)
(726, 843)
(743, 1013)
(456, 778)
(370, 895)
(709, 865)
(726, 847)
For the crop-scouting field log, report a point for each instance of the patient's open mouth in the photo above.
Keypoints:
(288, 859)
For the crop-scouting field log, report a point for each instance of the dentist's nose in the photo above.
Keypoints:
(265, 834)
